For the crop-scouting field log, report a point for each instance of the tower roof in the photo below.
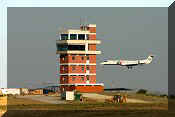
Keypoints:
(75, 31)
(91, 25)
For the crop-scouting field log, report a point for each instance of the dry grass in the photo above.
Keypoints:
(19, 107)
(86, 113)
(3, 105)
(27, 104)
(20, 101)
(153, 99)
(3, 100)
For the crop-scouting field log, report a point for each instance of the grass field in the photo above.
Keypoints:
(3, 105)
(82, 113)
(18, 107)
(19, 101)
(154, 99)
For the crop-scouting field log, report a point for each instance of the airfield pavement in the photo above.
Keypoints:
(42, 98)
(102, 98)
(93, 96)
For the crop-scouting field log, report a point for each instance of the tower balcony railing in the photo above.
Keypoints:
(78, 41)
(78, 52)
(82, 84)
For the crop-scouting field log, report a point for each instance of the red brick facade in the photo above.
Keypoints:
(92, 37)
(73, 58)
(92, 47)
(74, 79)
(92, 29)
(80, 69)
(94, 89)
(84, 89)
(77, 69)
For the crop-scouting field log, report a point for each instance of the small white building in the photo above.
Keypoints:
(24, 91)
(12, 91)
(69, 95)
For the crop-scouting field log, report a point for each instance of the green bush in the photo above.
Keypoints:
(142, 91)
(163, 95)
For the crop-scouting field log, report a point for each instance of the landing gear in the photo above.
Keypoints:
(129, 67)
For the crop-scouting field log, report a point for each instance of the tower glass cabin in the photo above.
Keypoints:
(77, 49)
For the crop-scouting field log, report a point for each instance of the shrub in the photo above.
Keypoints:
(142, 91)
(163, 95)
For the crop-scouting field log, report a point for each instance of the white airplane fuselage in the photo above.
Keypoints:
(128, 63)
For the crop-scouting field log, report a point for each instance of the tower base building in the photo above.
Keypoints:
(77, 49)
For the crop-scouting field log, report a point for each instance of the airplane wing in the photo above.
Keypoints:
(129, 63)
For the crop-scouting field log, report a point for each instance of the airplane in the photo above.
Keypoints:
(129, 63)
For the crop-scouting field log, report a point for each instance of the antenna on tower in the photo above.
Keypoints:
(80, 21)
(85, 23)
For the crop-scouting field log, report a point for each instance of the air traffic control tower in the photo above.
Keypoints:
(77, 50)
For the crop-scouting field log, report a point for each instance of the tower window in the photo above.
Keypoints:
(87, 57)
(73, 79)
(87, 77)
(73, 36)
(82, 58)
(63, 68)
(73, 68)
(82, 68)
(63, 57)
(87, 67)
(73, 57)
(81, 36)
(61, 47)
(87, 36)
(82, 78)
(64, 36)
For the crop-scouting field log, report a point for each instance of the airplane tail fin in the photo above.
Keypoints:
(149, 59)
